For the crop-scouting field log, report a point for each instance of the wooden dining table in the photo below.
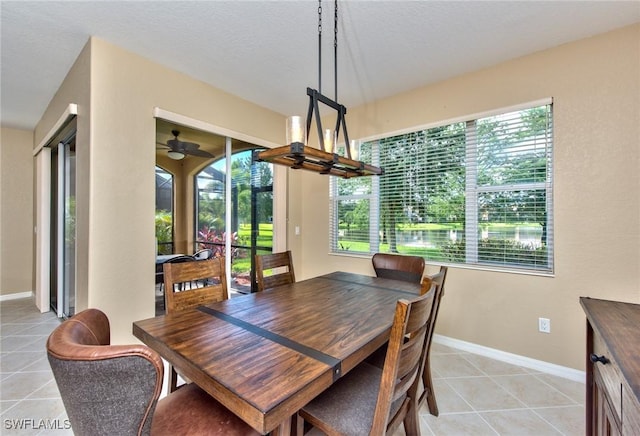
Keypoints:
(266, 355)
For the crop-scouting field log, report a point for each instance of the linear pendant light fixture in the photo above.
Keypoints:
(324, 159)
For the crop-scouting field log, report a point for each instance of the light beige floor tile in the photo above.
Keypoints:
(31, 417)
(30, 316)
(482, 393)
(569, 420)
(494, 367)
(453, 365)
(10, 329)
(519, 423)
(573, 389)
(40, 362)
(447, 399)
(6, 405)
(44, 328)
(17, 360)
(48, 391)
(533, 393)
(60, 432)
(458, 424)
(424, 430)
(17, 343)
(22, 384)
(35, 343)
(437, 348)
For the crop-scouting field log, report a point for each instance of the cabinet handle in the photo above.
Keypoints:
(595, 358)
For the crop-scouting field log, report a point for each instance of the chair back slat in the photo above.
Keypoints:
(398, 267)
(191, 284)
(274, 270)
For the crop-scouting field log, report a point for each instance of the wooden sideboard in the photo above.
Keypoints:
(613, 367)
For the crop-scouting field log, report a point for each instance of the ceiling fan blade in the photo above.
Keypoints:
(197, 152)
(190, 146)
(174, 144)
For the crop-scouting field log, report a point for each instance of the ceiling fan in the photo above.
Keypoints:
(179, 149)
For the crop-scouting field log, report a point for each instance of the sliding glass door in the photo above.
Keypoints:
(63, 229)
(251, 206)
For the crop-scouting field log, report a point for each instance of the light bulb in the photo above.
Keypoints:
(329, 141)
(295, 130)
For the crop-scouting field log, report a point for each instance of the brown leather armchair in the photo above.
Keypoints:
(398, 267)
(114, 389)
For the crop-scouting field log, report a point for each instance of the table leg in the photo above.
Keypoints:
(284, 429)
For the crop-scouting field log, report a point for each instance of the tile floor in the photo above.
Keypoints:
(476, 395)
(30, 403)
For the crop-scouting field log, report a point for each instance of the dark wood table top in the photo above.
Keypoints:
(265, 355)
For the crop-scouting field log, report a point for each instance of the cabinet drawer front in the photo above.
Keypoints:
(611, 376)
(631, 407)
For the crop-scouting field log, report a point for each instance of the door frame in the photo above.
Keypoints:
(279, 175)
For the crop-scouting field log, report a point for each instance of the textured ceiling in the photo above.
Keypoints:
(267, 51)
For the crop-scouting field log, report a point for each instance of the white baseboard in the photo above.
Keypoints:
(16, 296)
(527, 362)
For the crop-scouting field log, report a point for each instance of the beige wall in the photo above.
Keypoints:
(595, 84)
(118, 242)
(16, 211)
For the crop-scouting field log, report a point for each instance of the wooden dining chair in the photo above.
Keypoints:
(114, 389)
(398, 267)
(280, 266)
(192, 284)
(375, 401)
(436, 283)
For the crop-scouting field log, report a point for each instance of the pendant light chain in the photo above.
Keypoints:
(335, 48)
(320, 46)
(325, 159)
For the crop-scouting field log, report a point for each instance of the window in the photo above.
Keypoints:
(476, 192)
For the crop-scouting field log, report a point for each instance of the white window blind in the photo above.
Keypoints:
(475, 192)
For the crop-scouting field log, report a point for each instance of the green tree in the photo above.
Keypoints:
(164, 231)
(411, 191)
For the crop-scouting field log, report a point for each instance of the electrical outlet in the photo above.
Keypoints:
(544, 325)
